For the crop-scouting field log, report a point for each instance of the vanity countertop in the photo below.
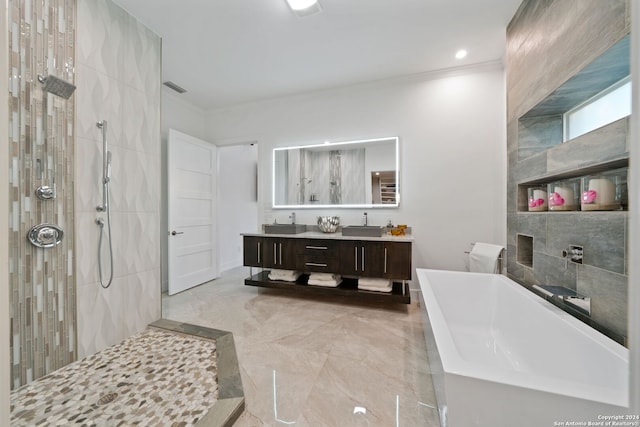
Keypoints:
(337, 236)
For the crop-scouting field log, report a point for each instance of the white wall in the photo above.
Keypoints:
(182, 116)
(118, 78)
(452, 155)
(238, 206)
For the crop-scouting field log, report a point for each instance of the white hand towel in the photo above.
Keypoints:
(373, 283)
(284, 275)
(324, 276)
(483, 258)
(325, 283)
(388, 288)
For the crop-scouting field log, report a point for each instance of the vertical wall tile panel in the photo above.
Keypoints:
(548, 41)
(608, 293)
(43, 286)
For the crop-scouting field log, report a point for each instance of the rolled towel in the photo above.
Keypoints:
(324, 276)
(284, 275)
(373, 283)
(388, 288)
(484, 258)
(325, 283)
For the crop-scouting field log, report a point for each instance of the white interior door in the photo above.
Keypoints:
(192, 212)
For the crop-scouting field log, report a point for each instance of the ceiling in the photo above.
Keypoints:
(229, 52)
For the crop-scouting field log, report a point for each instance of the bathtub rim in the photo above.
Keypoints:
(453, 363)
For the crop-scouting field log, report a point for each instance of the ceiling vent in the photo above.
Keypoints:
(172, 85)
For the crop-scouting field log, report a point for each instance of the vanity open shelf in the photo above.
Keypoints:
(385, 257)
(348, 287)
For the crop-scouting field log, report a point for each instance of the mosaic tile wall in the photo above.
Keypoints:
(41, 144)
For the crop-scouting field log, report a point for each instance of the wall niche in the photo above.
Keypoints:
(541, 127)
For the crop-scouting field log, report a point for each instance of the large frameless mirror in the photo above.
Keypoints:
(349, 174)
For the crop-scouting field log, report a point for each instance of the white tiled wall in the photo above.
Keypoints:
(118, 69)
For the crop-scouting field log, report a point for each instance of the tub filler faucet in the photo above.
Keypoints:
(568, 297)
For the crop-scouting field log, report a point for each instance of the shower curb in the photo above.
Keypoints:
(230, 404)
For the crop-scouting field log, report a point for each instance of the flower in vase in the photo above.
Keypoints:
(556, 199)
(534, 203)
(589, 196)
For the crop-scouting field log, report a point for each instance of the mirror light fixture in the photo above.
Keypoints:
(304, 7)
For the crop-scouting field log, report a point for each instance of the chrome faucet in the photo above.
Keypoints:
(568, 296)
(579, 302)
(293, 217)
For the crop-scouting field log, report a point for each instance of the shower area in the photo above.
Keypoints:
(84, 218)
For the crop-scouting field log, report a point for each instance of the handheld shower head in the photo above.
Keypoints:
(57, 86)
(108, 175)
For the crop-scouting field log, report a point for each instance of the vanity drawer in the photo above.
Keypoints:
(321, 264)
(319, 248)
(319, 255)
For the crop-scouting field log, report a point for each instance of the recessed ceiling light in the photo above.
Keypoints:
(461, 54)
(304, 7)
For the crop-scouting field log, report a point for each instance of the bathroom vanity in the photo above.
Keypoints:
(387, 257)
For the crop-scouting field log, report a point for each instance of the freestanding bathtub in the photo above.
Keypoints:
(502, 356)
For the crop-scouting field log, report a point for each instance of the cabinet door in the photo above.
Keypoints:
(252, 251)
(270, 252)
(289, 257)
(279, 253)
(397, 260)
(371, 259)
(361, 258)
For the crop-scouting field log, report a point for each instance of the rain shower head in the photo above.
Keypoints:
(56, 86)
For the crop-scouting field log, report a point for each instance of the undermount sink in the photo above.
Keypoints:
(363, 230)
(285, 228)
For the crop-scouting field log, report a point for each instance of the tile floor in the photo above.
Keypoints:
(313, 362)
(156, 377)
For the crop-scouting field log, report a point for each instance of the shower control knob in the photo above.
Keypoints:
(45, 235)
(174, 232)
(45, 193)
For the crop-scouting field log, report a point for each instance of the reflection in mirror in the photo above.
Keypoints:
(351, 174)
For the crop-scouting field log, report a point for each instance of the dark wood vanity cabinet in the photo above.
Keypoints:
(351, 259)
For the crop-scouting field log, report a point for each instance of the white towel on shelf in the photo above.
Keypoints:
(324, 276)
(325, 283)
(387, 288)
(327, 280)
(284, 275)
(484, 258)
(373, 283)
